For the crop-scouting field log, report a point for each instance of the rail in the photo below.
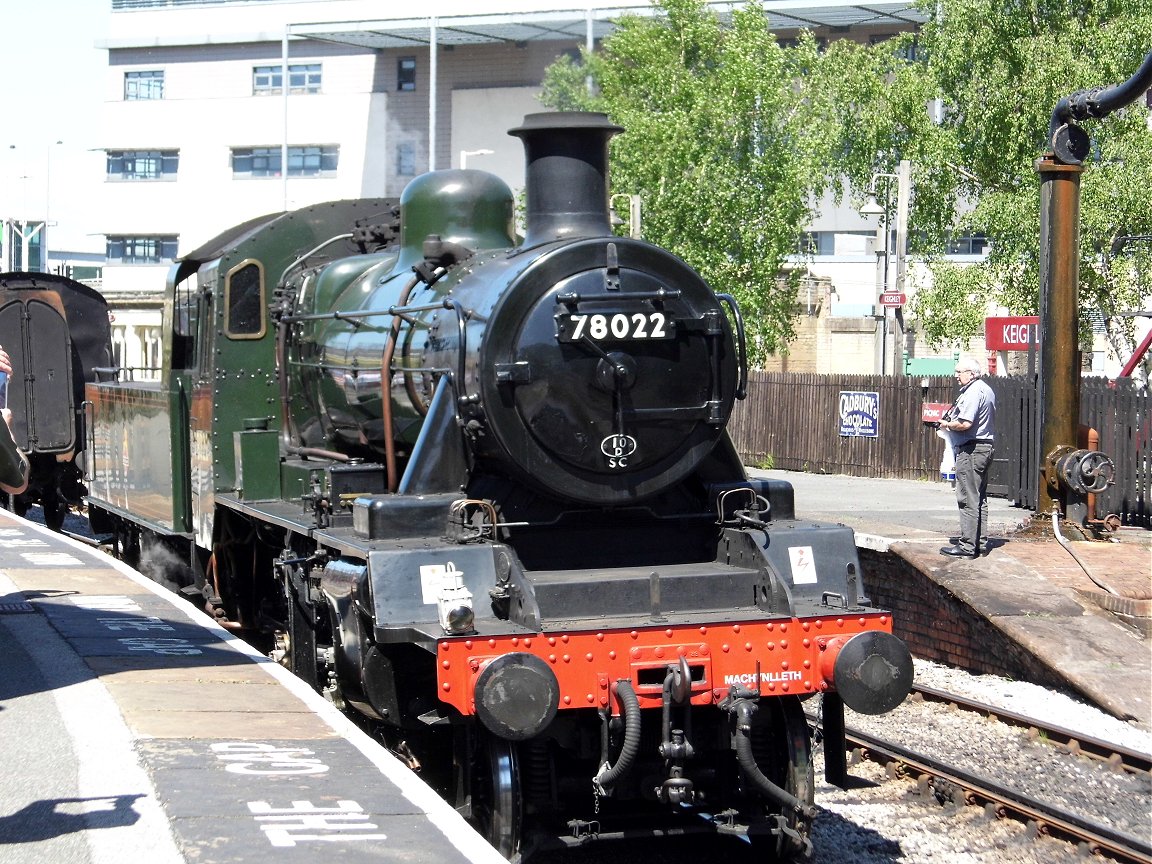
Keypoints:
(946, 781)
(1001, 801)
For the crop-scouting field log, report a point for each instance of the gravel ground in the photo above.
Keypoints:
(883, 820)
(1055, 707)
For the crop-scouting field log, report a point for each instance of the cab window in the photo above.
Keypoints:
(244, 301)
(186, 324)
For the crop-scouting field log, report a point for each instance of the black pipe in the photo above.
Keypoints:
(1101, 101)
(608, 775)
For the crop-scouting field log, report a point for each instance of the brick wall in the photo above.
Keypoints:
(824, 344)
(938, 626)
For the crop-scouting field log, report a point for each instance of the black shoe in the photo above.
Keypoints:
(957, 552)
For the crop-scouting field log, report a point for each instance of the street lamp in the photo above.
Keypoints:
(633, 204)
(464, 154)
(871, 208)
(885, 264)
(45, 266)
(28, 229)
(20, 226)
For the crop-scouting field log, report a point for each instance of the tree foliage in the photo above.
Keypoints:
(732, 136)
(972, 113)
(726, 144)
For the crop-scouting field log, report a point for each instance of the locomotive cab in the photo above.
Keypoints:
(58, 335)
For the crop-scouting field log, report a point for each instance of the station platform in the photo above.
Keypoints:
(1032, 608)
(136, 729)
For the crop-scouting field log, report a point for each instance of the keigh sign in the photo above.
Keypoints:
(1011, 334)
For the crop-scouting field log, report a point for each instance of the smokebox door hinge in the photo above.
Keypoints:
(514, 373)
(612, 269)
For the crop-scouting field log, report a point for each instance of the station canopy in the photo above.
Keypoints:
(584, 25)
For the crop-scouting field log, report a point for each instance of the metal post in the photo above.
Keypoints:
(835, 751)
(903, 195)
(45, 265)
(882, 283)
(589, 45)
(885, 266)
(284, 111)
(1059, 388)
(432, 73)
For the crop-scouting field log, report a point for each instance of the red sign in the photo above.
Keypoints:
(1011, 334)
(893, 298)
(931, 412)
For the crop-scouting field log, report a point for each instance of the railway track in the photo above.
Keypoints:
(950, 783)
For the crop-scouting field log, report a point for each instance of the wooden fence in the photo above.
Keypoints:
(793, 422)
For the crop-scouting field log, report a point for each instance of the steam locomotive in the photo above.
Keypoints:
(478, 489)
(58, 334)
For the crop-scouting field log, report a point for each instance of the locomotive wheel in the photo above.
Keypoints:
(497, 806)
(784, 754)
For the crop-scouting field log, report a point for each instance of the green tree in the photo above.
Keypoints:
(727, 144)
(732, 136)
(972, 113)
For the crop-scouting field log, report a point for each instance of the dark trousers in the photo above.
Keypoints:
(973, 462)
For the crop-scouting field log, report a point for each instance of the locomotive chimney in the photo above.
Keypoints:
(566, 175)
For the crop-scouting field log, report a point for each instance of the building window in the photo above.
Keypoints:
(143, 164)
(311, 161)
(814, 243)
(406, 74)
(967, 244)
(143, 85)
(405, 159)
(302, 78)
(141, 250)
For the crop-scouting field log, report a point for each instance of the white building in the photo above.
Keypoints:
(197, 123)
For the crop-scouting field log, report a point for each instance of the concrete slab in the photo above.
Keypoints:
(249, 726)
(159, 672)
(174, 695)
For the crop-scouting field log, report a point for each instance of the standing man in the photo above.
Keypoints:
(972, 421)
(13, 463)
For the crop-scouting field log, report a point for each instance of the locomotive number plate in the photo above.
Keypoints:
(615, 326)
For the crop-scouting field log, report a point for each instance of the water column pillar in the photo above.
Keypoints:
(1059, 390)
